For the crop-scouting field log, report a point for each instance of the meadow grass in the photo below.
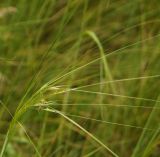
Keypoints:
(79, 78)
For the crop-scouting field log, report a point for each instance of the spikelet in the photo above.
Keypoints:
(7, 10)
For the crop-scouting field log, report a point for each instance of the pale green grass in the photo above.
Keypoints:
(79, 78)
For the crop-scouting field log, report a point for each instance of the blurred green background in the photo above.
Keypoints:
(79, 78)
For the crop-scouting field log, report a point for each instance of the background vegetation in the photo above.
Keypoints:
(79, 78)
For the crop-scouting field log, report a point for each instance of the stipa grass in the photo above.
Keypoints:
(82, 70)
